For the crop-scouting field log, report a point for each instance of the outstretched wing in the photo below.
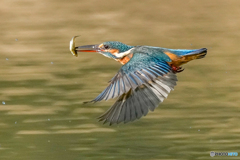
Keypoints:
(140, 85)
(136, 103)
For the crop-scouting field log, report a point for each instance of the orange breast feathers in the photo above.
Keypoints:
(175, 59)
(125, 59)
(178, 61)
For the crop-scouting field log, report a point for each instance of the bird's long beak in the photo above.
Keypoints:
(88, 48)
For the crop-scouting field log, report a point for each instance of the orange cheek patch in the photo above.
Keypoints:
(114, 51)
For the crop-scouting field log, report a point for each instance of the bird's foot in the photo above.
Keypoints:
(177, 69)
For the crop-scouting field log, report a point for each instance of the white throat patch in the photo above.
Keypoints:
(123, 54)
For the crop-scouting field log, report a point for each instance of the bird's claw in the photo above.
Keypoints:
(177, 69)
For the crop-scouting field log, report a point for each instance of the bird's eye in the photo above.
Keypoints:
(106, 47)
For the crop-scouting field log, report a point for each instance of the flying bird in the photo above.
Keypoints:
(146, 77)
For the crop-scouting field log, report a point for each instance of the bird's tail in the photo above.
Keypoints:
(182, 56)
(193, 54)
(197, 54)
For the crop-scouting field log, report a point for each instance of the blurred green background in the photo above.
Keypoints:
(42, 86)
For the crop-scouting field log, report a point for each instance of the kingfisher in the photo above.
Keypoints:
(146, 77)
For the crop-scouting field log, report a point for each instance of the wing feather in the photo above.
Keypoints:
(137, 103)
(140, 85)
(127, 112)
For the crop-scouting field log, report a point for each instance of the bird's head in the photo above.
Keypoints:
(110, 49)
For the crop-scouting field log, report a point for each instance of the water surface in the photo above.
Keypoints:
(43, 87)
